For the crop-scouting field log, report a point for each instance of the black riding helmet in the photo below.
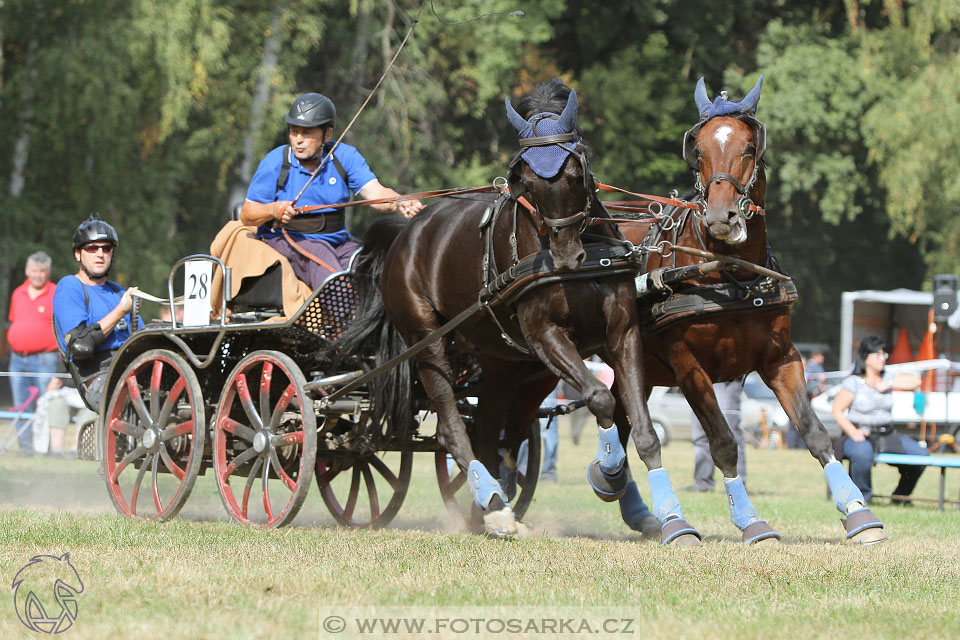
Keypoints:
(93, 229)
(312, 110)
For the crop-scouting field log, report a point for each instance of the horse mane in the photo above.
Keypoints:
(546, 97)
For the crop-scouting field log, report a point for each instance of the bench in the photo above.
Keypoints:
(944, 462)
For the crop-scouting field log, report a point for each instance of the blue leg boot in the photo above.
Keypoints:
(744, 515)
(607, 474)
(636, 513)
(667, 510)
(861, 525)
(498, 518)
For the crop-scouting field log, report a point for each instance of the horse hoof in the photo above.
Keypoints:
(500, 524)
(863, 527)
(608, 488)
(868, 537)
(650, 527)
(760, 533)
(678, 532)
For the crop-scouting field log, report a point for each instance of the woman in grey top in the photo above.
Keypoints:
(864, 406)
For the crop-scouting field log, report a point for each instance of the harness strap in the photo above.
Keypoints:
(413, 196)
(306, 254)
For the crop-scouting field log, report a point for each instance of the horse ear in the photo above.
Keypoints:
(568, 119)
(750, 101)
(515, 118)
(700, 95)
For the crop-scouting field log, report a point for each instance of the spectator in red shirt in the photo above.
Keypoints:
(33, 347)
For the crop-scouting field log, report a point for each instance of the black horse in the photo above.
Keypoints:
(545, 303)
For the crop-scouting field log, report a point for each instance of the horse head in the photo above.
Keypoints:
(559, 191)
(728, 145)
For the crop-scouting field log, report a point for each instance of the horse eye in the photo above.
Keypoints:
(751, 149)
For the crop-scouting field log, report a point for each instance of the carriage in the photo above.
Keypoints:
(246, 396)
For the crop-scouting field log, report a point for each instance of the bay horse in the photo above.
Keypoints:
(413, 276)
(751, 329)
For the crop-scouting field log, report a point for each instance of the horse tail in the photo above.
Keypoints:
(371, 331)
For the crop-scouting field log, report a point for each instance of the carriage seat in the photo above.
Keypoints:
(258, 274)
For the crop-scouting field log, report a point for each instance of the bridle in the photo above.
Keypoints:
(518, 189)
(745, 205)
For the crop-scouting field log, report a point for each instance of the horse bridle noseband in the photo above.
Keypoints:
(517, 189)
(745, 205)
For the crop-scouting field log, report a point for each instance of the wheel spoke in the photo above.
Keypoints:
(230, 425)
(354, 492)
(243, 392)
(236, 462)
(284, 439)
(371, 493)
(171, 402)
(170, 464)
(136, 399)
(121, 426)
(156, 489)
(385, 471)
(127, 459)
(458, 481)
(288, 394)
(136, 488)
(177, 430)
(287, 480)
(266, 375)
(327, 476)
(156, 376)
(266, 490)
(251, 478)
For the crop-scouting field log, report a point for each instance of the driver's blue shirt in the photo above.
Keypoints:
(71, 308)
(326, 188)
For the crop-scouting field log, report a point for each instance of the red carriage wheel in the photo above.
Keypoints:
(154, 424)
(456, 494)
(340, 483)
(264, 440)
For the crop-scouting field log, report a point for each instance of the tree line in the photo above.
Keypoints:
(155, 114)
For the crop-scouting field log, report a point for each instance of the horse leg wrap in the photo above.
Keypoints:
(483, 485)
(841, 486)
(860, 520)
(744, 515)
(665, 503)
(508, 481)
(607, 474)
(636, 513)
(610, 453)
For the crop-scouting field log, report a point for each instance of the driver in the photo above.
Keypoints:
(91, 314)
(285, 170)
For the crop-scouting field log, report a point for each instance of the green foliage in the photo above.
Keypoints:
(145, 111)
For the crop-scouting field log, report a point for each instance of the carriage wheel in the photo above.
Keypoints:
(356, 508)
(154, 424)
(264, 440)
(456, 494)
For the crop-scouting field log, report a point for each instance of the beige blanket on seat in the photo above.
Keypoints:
(247, 257)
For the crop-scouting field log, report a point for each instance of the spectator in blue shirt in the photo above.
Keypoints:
(281, 176)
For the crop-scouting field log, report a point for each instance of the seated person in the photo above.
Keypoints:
(864, 410)
(321, 243)
(91, 314)
(55, 409)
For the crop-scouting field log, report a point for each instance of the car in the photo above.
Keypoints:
(671, 413)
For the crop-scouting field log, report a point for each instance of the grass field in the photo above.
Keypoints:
(200, 576)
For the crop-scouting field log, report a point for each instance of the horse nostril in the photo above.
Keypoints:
(581, 258)
(732, 215)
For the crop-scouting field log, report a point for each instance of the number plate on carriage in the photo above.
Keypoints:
(196, 292)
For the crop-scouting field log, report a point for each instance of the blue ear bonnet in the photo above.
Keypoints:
(546, 160)
(723, 107)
